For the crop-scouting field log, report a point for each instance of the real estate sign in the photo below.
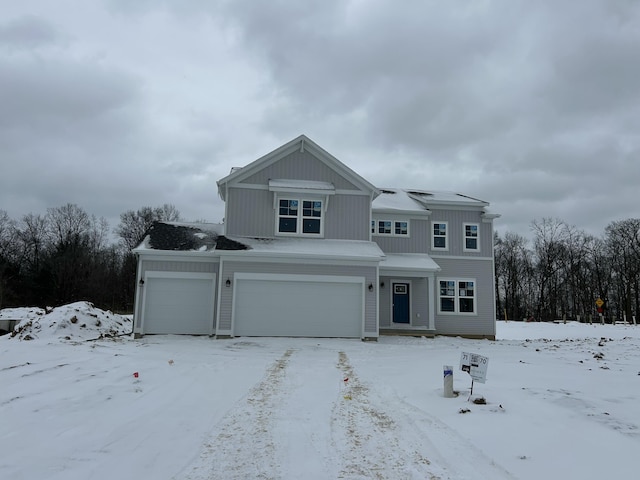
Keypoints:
(475, 365)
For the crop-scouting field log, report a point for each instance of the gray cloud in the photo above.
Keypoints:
(28, 31)
(533, 106)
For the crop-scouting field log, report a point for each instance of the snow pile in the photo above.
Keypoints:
(73, 322)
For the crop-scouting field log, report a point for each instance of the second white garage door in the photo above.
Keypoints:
(298, 306)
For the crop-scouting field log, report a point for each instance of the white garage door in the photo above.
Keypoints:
(175, 304)
(304, 307)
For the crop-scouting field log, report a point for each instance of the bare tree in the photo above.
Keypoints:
(8, 254)
(514, 274)
(623, 243)
(550, 237)
(133, 225)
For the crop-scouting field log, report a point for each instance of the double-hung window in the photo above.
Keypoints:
(471, 238)
(439, 237)
(300, 216)
(457, 296)
(398, 228)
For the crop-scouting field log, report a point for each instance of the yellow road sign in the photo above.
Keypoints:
(599, 302)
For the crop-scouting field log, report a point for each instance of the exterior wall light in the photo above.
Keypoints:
(228, 282)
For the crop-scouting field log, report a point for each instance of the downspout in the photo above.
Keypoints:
(138, 294)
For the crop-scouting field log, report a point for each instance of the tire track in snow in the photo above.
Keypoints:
(368, 438)
(244, 446)
(459, 458)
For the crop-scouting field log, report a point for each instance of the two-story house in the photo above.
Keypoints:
(310, 248)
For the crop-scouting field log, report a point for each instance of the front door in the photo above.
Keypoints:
(401, 303)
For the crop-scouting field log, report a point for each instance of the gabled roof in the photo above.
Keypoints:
(187, 237)
(302, 143)
(420, 201)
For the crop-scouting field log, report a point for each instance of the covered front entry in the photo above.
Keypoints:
(298, 306)
(178, 303)
(401, 303)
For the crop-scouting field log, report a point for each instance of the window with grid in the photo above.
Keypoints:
(457, 296)
(471, 239)
(388, 227)
(439, 237)
(295, 220)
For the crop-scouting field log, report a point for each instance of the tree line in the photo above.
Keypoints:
(563, 271)
(67, 255)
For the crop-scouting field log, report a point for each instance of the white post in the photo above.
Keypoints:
(624, 318)
(448, 381)
(578, 317)
(634, 319)
(601, 319)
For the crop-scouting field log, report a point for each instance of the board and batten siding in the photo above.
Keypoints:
(417, 241)
(484, 323)
(179, 266)
(250, 212)
(456, 220)
(300, 166)
(347, 217)
(230, 268)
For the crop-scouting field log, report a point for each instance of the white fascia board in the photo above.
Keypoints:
(301, 187)
(392, 211)
(490, 217)
(459, 257)
(282, 257)
(208, 256)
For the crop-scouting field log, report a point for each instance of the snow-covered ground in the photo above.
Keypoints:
(562, 401)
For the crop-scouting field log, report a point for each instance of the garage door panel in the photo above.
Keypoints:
(178, 306)
(298, 308)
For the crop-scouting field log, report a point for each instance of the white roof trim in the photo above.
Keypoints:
(305, 144)
(305, 186)
(408, 263)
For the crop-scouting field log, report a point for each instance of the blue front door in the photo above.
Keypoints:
(400, 303)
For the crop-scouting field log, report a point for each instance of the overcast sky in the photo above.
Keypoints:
(533, 106)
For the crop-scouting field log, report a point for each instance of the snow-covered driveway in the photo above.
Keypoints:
(563, 406)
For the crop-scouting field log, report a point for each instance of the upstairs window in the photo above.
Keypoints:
(457, 296)
(388, 227)
(471, 239)
(439, 238)
(401, 228)
(294, 220)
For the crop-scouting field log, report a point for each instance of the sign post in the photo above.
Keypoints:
(476, 366)
(599, 304)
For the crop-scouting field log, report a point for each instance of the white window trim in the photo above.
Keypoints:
(300, 217)
(456, 303)
(393, 228)
(446, 236)
(464, 238)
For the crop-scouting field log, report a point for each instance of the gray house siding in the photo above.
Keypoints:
(417, 241)
(456, 220)
(250, 213)
(185, 266)
(345, 215)
(482, 324)
(299, 166)
(230, 268)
